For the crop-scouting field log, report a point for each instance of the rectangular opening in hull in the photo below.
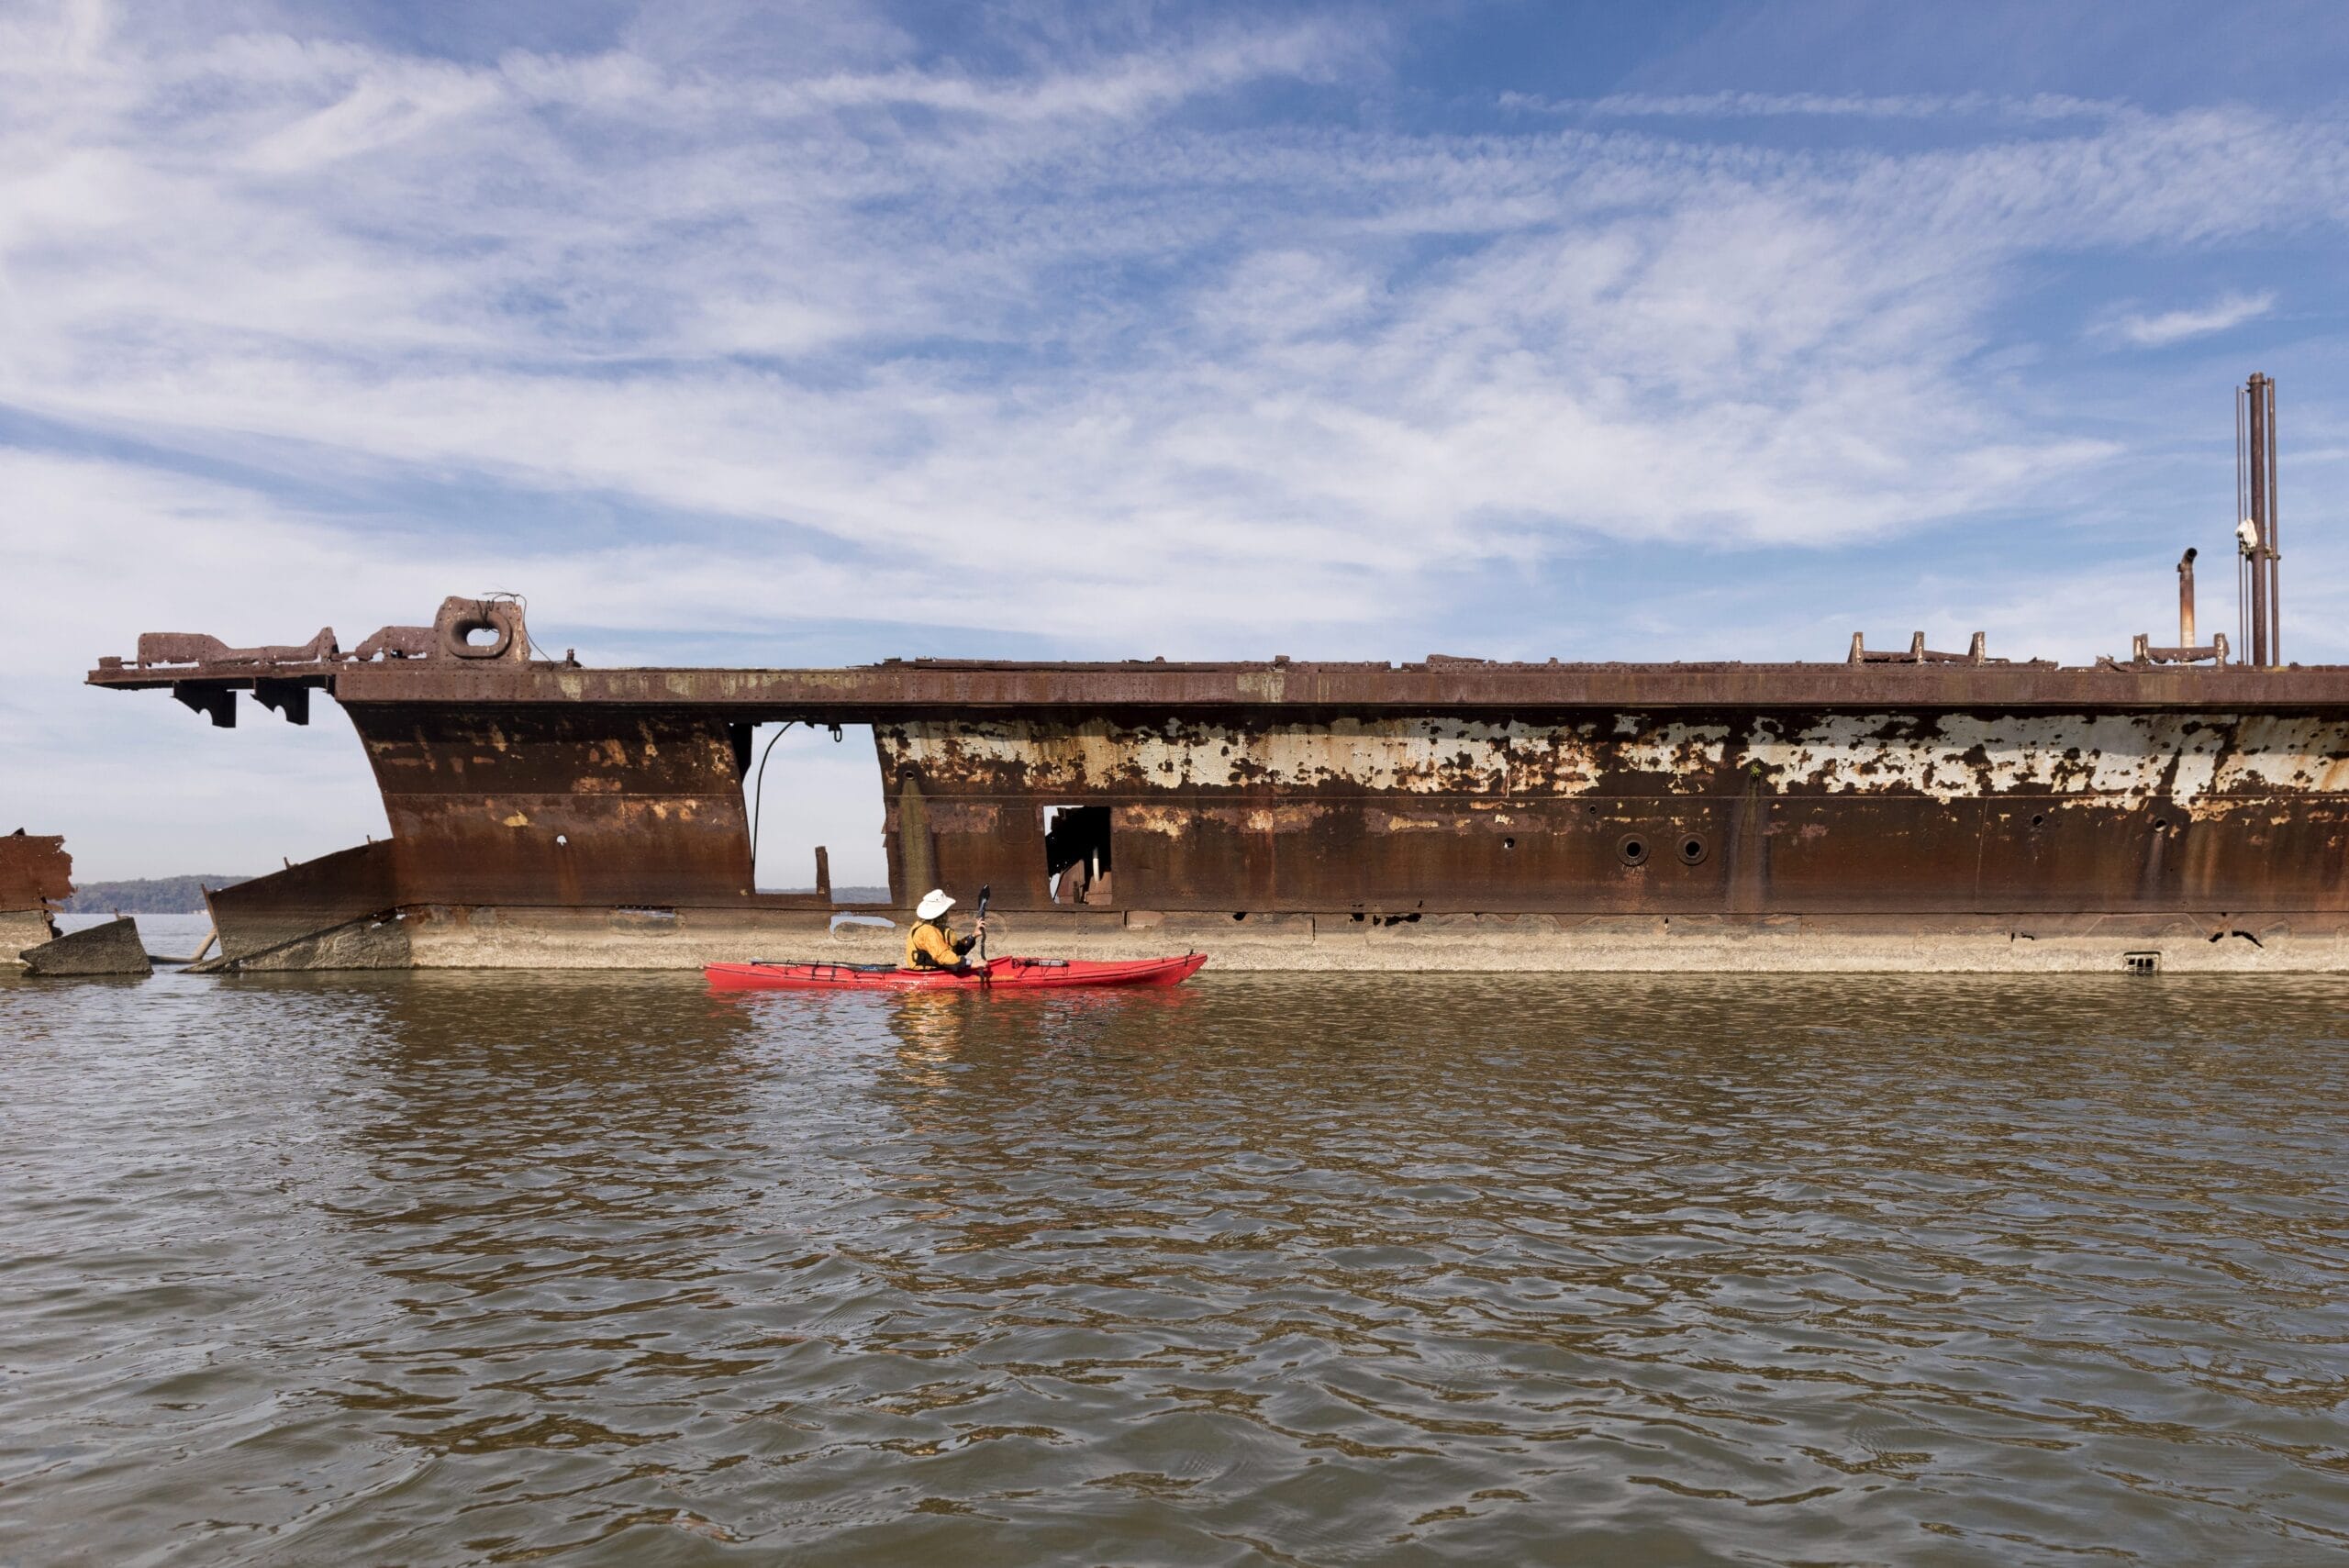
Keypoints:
(819, 806)
(1077, 853)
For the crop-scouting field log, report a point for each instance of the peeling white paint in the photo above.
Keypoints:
(1433, 756)
(1674, 748)
(2282, 754)
(2184, 757)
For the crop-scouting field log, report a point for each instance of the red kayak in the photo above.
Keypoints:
(1000, 975)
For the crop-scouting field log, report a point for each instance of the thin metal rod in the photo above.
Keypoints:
(759, 797)
(2275, 552)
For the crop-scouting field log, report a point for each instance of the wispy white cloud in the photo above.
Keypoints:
(375, 259)
(2230, 310)
(735, 296)
(2035, 108)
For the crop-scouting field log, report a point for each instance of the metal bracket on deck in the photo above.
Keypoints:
(1976, 652)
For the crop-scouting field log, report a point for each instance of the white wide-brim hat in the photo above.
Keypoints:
(934, 904)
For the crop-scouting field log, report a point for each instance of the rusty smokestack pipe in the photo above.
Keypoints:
(2186, 600)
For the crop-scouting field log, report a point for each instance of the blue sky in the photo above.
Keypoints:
(822, 332)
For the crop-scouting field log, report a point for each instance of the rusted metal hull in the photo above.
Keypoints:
(1726, 812)
(35, 872)
(269, 913)
(575, 806)
(1942, 794)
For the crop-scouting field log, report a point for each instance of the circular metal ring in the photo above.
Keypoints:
(460, 618)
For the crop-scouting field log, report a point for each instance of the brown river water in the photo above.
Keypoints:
(486, 1268)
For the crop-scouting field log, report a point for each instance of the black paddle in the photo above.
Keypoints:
(984, 892)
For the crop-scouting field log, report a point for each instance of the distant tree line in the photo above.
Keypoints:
(147, 895)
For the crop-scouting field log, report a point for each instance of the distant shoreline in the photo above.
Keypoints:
(184, 896)
(146, 895)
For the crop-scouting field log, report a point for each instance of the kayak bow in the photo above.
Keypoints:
(1000, 974)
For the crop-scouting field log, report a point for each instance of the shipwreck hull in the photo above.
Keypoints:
(1948, 812)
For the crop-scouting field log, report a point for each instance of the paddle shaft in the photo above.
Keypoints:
(983, 893)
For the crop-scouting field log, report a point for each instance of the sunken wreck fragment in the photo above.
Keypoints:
(36, 875)
(114, 947)
(1904, 808)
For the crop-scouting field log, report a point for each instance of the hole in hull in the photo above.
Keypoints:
(817, 791)
(1077, 853)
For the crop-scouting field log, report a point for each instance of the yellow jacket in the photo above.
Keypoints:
(930, 945)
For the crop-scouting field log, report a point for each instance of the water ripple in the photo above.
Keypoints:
(441, 1269)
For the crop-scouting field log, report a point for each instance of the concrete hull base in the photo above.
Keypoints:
(22, 928)
(506, 937)
(113, 947)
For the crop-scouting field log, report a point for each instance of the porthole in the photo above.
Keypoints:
(1692, 849)
(2039, 819)
(1632, 852)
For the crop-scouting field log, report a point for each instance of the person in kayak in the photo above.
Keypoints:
(931, 945)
